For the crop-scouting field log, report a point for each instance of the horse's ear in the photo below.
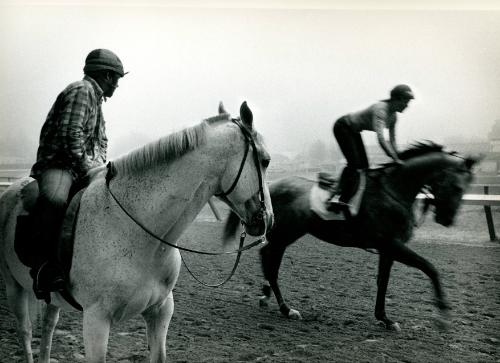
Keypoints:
(246, 115)
(470, 161)
(222, 110)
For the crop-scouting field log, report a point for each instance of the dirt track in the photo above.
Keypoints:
(334, 289)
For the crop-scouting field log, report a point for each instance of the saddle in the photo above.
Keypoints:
(325, 189)
(23, 240)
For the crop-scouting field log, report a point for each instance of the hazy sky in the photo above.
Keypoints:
(299, 68)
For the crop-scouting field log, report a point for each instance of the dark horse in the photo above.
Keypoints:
(384, 223)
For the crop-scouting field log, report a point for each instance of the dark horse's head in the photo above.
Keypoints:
(448, 176)
(448, 188)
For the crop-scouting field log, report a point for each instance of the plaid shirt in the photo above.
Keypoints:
(73, 136)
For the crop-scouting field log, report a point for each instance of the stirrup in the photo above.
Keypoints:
(335, 205)
(54, 284)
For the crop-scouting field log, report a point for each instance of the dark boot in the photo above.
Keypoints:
(349, 183)
(46, 274)
(345, 191)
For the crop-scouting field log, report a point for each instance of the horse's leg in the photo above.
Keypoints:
(96, 326)
(17, 299)
(50, 320)
(157, 319)
(401, 253)
(384, 272)
(271, 256)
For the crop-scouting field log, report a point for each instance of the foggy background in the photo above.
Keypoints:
(299, 65)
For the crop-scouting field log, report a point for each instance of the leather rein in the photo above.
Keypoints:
(249, 141)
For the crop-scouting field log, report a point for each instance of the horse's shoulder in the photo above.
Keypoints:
(291, 184)
(290, 188)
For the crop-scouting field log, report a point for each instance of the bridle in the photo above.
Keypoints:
(427, 202)
(249, 141)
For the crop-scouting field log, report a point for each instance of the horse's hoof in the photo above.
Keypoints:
(264, 302)
(442, 323)
(393, 327)
(294, 314)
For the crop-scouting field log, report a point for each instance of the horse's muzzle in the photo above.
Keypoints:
(260, 223)
(445, 221)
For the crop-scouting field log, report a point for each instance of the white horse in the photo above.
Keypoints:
(118, 270)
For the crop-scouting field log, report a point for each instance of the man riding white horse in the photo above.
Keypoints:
(347, 131)
(72, 141)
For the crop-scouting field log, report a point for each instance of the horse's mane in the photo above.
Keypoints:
(416, 149)
(419, 149)
(165, 149)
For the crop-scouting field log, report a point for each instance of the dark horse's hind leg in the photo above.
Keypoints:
(271, 256)
(384, 272)
(399, 252)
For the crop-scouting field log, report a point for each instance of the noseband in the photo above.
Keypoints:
(249, 141)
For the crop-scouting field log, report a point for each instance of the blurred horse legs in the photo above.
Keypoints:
(271, 256)
(157, 320)
(401, 253)
(96, 326)
(50, 320)
(384, 272)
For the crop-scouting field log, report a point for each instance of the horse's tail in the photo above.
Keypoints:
(230, 228)
(8, 201)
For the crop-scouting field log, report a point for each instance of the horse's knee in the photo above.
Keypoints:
(24, 332)
(51, 317)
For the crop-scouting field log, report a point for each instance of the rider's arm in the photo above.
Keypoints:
(379, 123)
(103, 141)
(392, 137)
(74, 110)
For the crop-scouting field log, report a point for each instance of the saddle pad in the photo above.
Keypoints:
(317, 199)
(23, 241)
(67, 236)
(319, 196)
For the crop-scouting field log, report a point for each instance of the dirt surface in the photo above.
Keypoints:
(334, 289)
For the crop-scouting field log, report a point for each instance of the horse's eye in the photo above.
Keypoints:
(265, 162)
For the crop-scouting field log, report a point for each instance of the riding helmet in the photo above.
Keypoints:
(402, 92)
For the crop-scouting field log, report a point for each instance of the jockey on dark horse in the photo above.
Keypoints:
(347, 131)
(72, 141)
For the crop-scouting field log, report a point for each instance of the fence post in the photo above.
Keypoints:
(489, 218)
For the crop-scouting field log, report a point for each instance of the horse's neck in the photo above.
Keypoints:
(168, 196)
(409, 179)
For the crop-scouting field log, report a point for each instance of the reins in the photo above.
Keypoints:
(428, 201)
(233, 270)
(111, 172)
(425, 207)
